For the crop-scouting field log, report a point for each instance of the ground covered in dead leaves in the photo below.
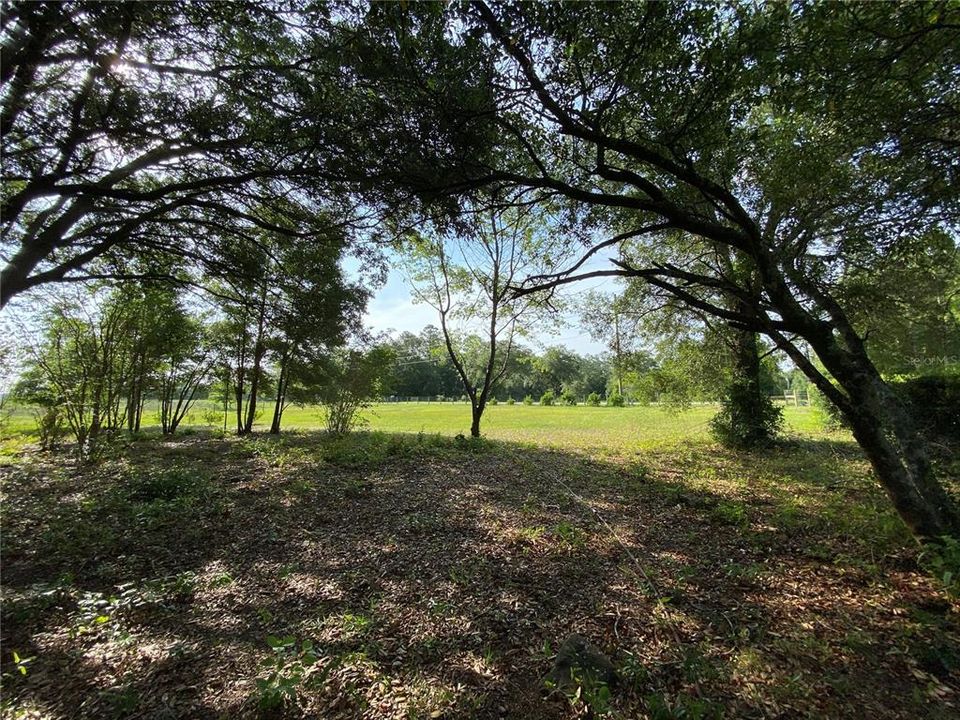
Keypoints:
(413, 576)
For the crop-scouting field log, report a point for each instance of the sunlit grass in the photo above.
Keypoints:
(604, 429)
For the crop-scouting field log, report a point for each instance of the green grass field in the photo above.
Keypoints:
(606, 429)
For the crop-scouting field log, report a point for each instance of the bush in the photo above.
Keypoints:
(510, 401)
(547, 398)
(615, 400)
(492, 401)
(942, 560)
(50, 427)
(568, 398)
(828, 415)
(354, 379)
(747, 419)
(593, 399)
(528, 400)
(934, 400)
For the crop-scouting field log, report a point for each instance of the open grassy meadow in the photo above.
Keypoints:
(406, 572)
(601, 429)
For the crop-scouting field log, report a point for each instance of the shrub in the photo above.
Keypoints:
(747, 419)
(547, 398)
(615, 400)
(827, 413)
(50, 427)
(354, 379)
(492, 401)
(568, 398)
(510, 401)
(593, 399)
(528, 400)
(934, 400)
(284, 672)
(942, 560)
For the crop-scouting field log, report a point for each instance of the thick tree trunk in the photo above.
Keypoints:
(887, 432)
(748, 418)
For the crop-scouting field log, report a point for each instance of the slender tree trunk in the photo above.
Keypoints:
(281, 396)
(477, 409)
(259, 350)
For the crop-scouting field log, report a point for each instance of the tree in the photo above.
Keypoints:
(469, 279)
(352, 380)
(136, 128)
(607, 320)
(906, 304)
(726, 130)
(290, 305)
(188, 361)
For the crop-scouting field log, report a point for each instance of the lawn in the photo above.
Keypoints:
(417, 574)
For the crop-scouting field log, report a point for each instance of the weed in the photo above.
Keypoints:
(285, 671)
(568, 535)
(584, 692)
(683, 707)
(730, 513)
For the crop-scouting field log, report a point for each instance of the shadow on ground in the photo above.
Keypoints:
(436, 577)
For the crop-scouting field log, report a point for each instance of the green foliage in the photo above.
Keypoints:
(568, 398)
(584, 691)
(941, 559)
(615, 400)
(352, 381)
(528, 399)
(511, 401)
(934, 401)
(593, 399)
(284, 671)
(167, 484)
(747, 418)
(548, 398)
(683, 707)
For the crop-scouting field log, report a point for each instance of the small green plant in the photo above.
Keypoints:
(584, 691)
(942, 560)
(167, 485)
(730, 513)
(615, 400)
(568, 535)
(568, 398)
(528, 400)
(21, 663)
(593, 399)
(548, 398)
(683, 707)
(492, 401)
(511, 401)
(285, 671)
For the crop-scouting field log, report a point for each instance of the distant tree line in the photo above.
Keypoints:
(675, 376)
